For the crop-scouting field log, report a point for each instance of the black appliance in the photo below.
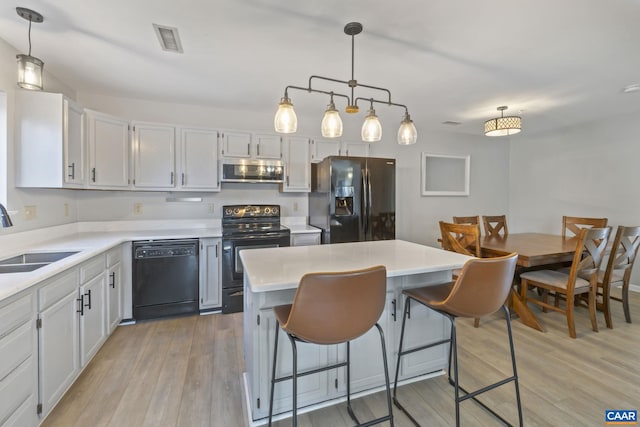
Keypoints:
(251, 170)
(246, 227)
(353, 199)
(165, 278)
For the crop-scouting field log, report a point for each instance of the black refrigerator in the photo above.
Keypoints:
(353, 199)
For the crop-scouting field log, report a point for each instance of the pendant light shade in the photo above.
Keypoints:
(29, 67)
(503, 126)
(285, 120)
(407, 133)
(331, 122)
(371, 128)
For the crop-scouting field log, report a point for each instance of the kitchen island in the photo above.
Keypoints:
(271, 277)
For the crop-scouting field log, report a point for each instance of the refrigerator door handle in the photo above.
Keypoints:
(363, 208)
(370, 205)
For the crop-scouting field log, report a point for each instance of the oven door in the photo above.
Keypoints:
(231, 247)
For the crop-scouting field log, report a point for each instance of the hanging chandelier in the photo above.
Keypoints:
(29, 67)
(501, 126)
(285, 120)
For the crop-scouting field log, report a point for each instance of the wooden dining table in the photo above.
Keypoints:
(535, 251)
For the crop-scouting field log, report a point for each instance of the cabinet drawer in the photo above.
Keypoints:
(114, 256)
(14, 314)
(16, 388)
(305, 239)
(15, 348)
(57, 288)
(24, 415)
(91, 268)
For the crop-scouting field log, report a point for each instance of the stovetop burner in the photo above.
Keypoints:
(251, 219)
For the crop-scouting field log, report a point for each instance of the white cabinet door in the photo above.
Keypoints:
(93, 317)
(311, 388)
(235, 144)
(114, 296)
(199, 159)
(297, 155)
(268, 146)
(423, 327)
(210, 290)
(154, 150)
(108, 140)
(366, 353)
(73, 122)
(355, 149)
(305, 239)
(59, 358)
(322, 148)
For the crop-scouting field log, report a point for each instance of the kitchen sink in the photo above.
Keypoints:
(31, 261)
(36, 258)
(20, 268)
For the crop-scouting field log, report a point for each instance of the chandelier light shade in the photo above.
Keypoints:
(503, 125)
(285, 120)
(331, 126)
(407, 133)
(30, 68)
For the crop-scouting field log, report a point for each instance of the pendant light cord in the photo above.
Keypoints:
(29, 36)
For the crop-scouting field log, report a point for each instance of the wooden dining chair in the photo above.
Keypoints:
(495, 226)
(463, 239)
(466, 219)
(574, 224)
(581, 279)
(618, 272)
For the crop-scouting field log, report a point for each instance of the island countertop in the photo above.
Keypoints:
(281, 268)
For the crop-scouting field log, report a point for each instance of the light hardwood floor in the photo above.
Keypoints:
(186, 372)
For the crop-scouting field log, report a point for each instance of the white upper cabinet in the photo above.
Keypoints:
(268, 146)
(199, 160)
(297, 156)
(49, 141)
(154, 148)
(323, 147)
(235, 144)
(108, 142)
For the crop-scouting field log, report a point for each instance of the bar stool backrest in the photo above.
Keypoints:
(482, 287)
(335, 307)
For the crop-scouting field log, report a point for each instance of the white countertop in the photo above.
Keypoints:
(281, 268)
(88, 244)
(302, 229)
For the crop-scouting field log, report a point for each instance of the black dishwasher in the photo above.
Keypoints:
(165, 278)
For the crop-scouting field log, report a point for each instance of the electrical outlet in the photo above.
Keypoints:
(211, 209)
(29, 213)
(66, 209)
(295, 206)
(137, 208)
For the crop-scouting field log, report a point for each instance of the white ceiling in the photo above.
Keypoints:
(559, 62)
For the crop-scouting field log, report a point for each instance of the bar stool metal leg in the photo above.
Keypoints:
(273, 373)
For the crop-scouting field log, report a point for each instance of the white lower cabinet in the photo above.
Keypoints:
(18, 355)
(114, 287)
(305, 239)
(210, 290)
(93, 318)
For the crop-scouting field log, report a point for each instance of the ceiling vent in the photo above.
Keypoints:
(169, 38)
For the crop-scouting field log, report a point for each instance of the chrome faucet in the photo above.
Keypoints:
(5, 219)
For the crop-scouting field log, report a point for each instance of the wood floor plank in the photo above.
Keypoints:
(187, 372)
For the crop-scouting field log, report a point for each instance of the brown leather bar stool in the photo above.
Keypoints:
(333, 308)
(481, 289)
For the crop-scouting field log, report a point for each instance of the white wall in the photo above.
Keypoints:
(49, 203)
(585, 171)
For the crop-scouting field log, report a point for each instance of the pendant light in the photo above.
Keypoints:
(371, 128)
(331, 126)
(503, 125)
(332, 123)
(407, 133)
(29, 67)
(285, 120)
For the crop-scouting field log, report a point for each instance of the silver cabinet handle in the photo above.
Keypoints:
(93, 174)
(171, 178)
(258, 147)
(113, 280)
(182, 178)
(88, 294)
(72, 175)
(249, 149)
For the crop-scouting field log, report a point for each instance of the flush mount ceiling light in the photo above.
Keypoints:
(503, 125)
(29, 67)
(285, 120)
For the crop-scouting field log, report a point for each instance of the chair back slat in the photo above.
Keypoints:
(495, 225)
(335, 307)
(623, 252)
(574, 224)
(590, 250)
(461, 238)
(466, 219)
